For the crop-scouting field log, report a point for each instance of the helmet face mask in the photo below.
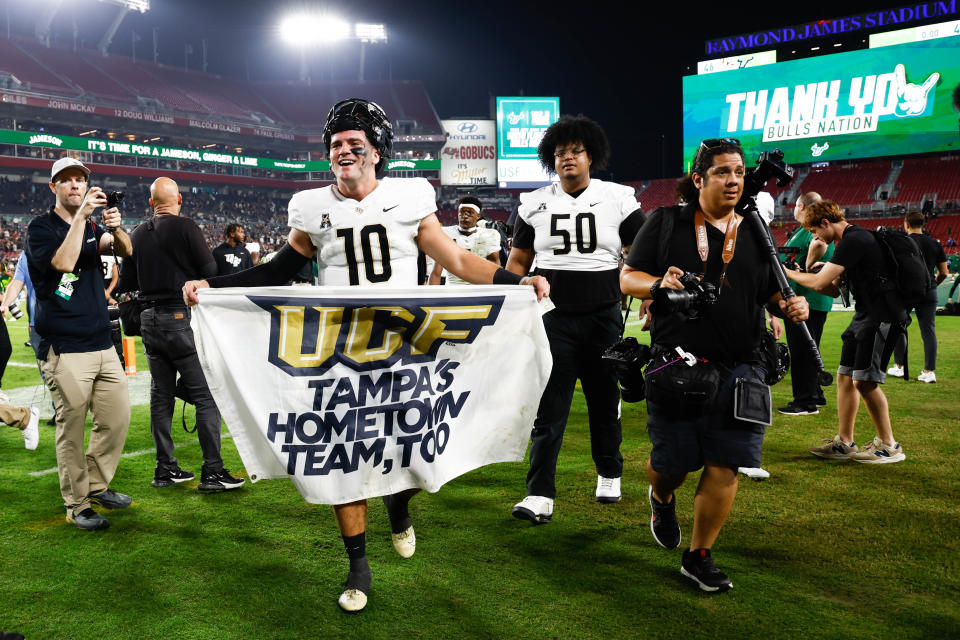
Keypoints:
(361, 115)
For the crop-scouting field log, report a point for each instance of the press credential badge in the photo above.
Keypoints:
(65, 288)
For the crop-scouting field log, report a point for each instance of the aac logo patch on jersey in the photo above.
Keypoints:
(325, 221)
(542, 207)
(308, 336)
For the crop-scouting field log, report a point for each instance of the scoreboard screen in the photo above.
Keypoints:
(873, 102)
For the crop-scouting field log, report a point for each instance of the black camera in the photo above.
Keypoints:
(790, 253)
(695, 296)
(114, 198)
(770, 164)
(627, 359)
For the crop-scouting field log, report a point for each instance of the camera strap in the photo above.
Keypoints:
(729, 244)
(623, 325)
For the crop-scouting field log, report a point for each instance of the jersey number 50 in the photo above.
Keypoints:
(585, 230)
(366, 249)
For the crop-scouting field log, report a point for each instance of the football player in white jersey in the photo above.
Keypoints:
(576, 229)
(471, 236)
(365, 231)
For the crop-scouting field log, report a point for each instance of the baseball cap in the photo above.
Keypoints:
(66, 163)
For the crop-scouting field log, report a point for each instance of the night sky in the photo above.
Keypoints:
(617, 62)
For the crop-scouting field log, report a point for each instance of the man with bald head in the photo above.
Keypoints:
(170, 250)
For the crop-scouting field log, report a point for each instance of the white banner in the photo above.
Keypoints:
(361, 393)
(469, 156)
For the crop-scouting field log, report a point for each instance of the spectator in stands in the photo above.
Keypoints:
(926, 311)
(169, 250)
(81, 365)
(807, 394)
(576, 229)
(232, 256)
(860, 259)
(469, 235)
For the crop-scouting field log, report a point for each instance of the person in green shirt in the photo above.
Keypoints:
(807, 394)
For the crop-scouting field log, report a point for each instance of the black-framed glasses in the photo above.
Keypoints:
(713, 143)
(562, 153)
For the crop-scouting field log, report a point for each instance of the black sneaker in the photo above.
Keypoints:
(111, 499)
(698, 566)
(663, 521)
(219, 481)
(821, 402)
(794, 409)
(168, 477)
(88, 520)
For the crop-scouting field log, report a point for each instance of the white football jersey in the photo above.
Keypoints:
(481, 243)
(578, 234)
(371, 242)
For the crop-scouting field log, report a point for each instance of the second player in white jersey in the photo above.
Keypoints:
(580, 232)
(370, 242)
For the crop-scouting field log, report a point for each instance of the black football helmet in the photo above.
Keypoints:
(362, 115)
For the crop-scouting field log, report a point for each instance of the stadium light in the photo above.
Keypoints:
(370, 32)
(305, 30)
(133, 5)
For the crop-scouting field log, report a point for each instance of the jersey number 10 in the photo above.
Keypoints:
(366, 248)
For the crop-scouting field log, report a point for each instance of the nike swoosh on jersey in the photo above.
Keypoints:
(593, 204)
(385, 209)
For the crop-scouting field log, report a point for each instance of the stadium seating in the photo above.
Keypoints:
(848, 184)
(30, 72)
(923, 177)
(84, 76)
(659, 193)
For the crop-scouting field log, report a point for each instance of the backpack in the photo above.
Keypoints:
(910, 277)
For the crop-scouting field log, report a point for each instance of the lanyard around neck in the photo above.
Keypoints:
(729, 243)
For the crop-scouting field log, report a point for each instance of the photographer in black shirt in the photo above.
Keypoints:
(169, 250)
(936, 260)
(860, 259)
(705, 373)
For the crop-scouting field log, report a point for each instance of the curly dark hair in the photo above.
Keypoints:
(233, 226)
(570, 130)
(702, 161)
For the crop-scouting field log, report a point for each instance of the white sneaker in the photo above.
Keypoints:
(756, 473)
(405, 542)
(608, 490)
(895, 371)
(927, 376)
(536, 509)
(31, 435)
(352, 600)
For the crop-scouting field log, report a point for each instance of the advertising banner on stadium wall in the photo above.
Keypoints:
(355, 394)
(147, 150)
(521, 123)
(61, 104)
(873, 102)
(470, 155)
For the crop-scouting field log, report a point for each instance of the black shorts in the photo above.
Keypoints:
(682, 444)
(861, 352)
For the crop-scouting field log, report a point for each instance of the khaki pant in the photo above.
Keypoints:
(81, 382)
(18, 417)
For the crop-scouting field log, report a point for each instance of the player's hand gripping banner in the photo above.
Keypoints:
(355, 394)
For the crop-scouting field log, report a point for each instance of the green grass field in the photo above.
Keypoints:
(820, 550)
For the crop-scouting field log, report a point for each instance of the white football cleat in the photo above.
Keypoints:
(352, 600)
(757, 473)
(608, 489)
(536, 509)
(405, 542)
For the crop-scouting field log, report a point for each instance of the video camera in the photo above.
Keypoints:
(627, 359)
(770, 164)
(114, 198)
(695, 296)
(791, 254)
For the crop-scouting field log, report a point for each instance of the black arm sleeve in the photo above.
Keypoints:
(523, 234)
(630, 227)
(280, 270)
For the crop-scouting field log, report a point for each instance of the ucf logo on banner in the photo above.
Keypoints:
(355, 394)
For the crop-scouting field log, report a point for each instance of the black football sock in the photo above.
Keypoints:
(360, 576)
(397, 510)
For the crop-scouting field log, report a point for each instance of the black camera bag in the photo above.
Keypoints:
(679, 386)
